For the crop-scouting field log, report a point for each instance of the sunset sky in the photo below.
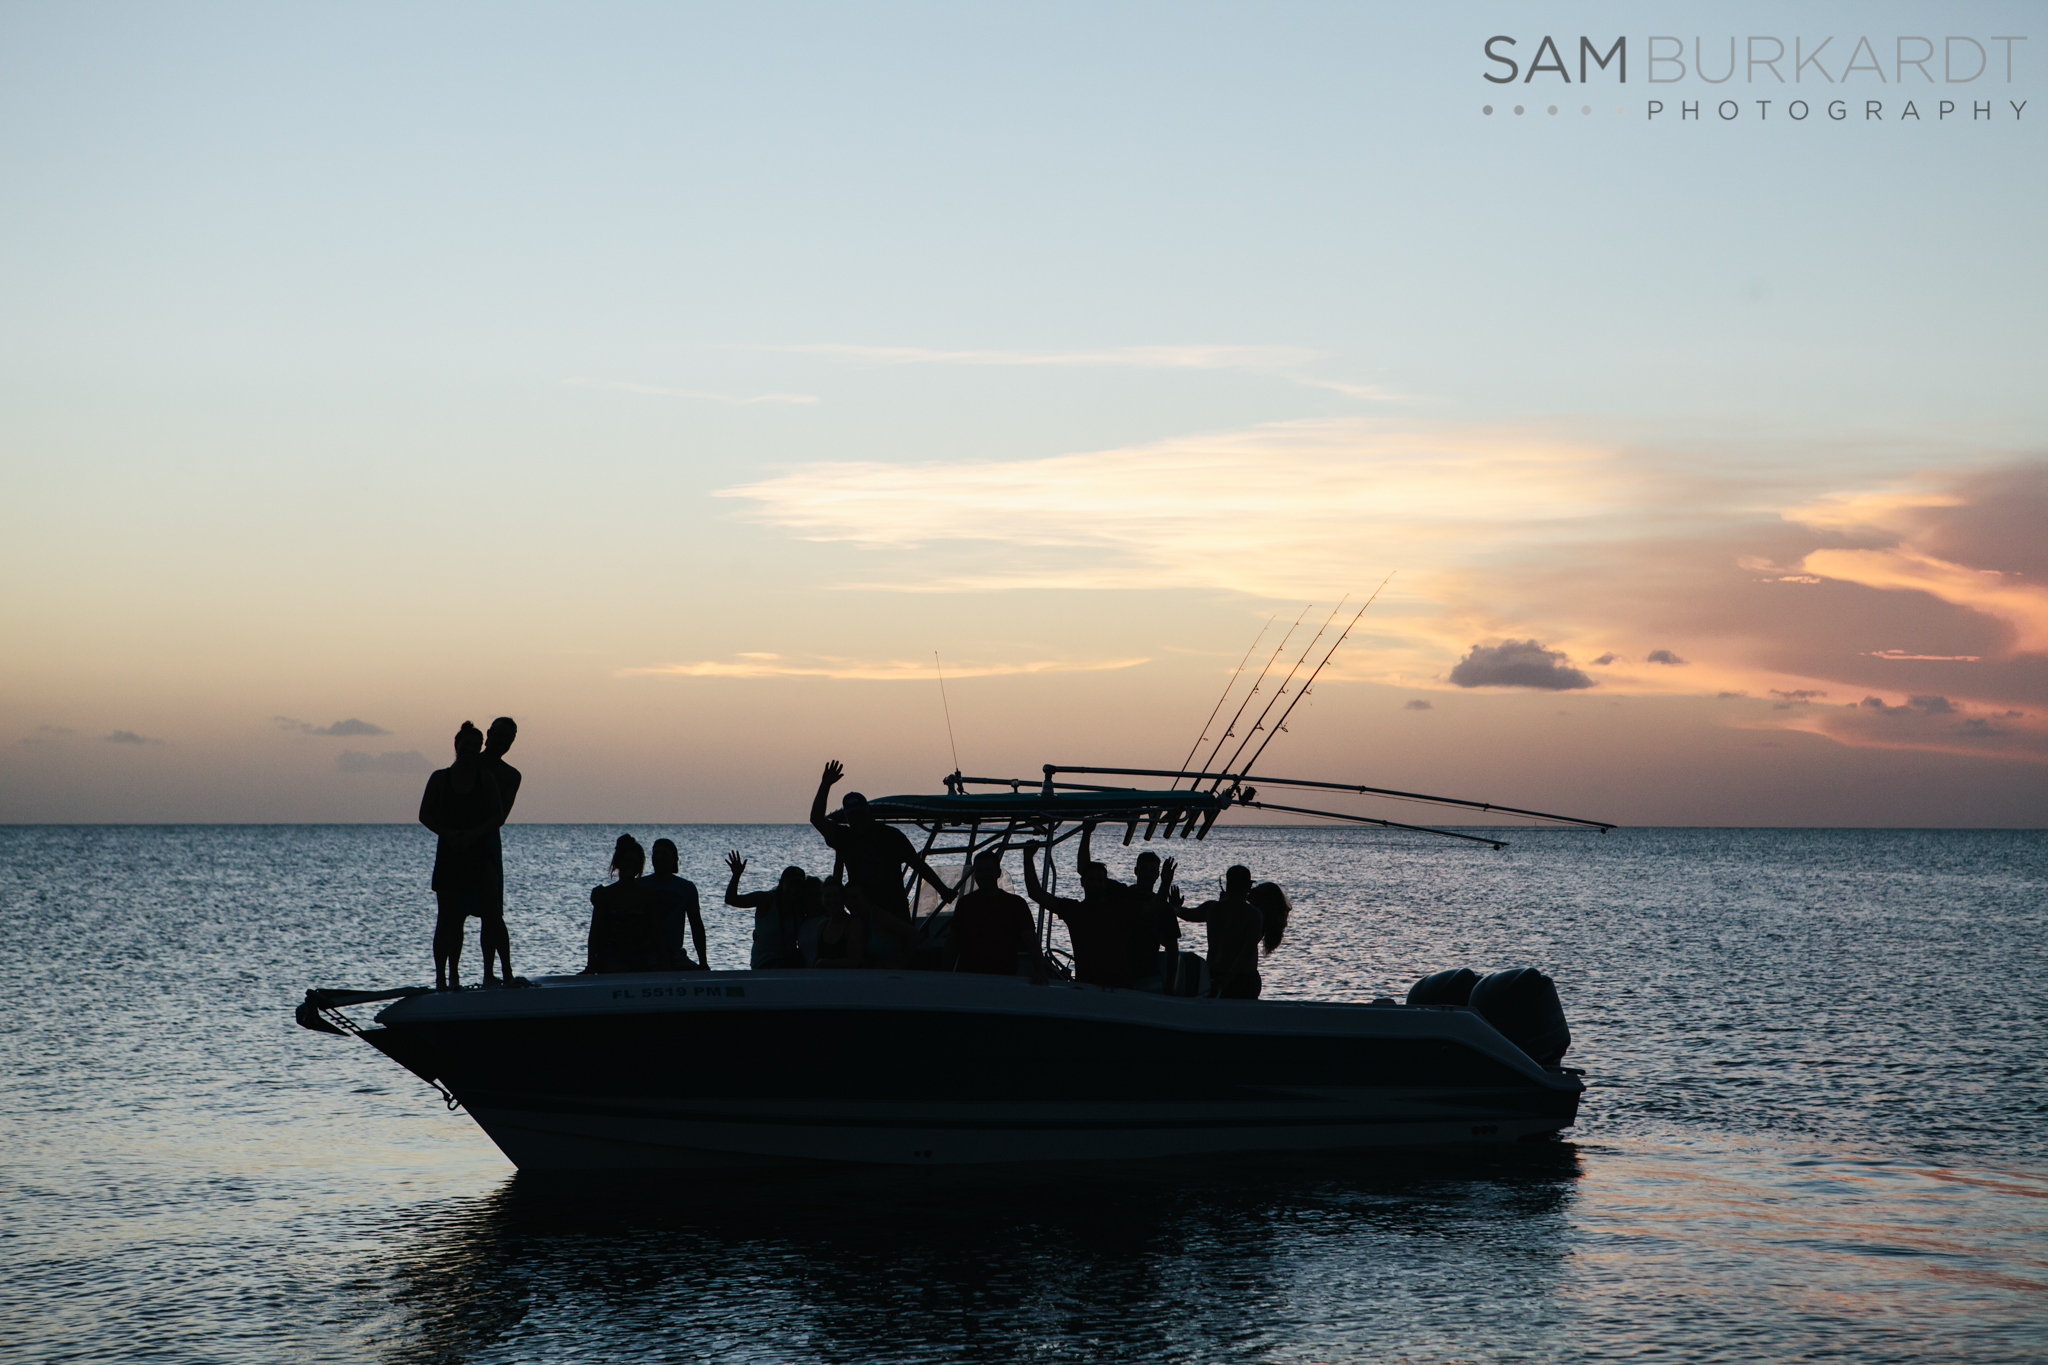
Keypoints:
(678, 379)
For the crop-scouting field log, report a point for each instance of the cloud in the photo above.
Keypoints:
(756, 665)
(1518, 663)
(1926, 721)
(55, 730)
(1305, 507)
(130, 737)
(1583, 536)
(1664, 656)
(1798, 694)
(349, 728)
(1925, 705)
(1418, 704)
(1973, 541)
(740, 400)
(410, 761)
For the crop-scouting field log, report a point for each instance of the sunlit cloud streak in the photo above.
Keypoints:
(1602, 550)
(756, 665)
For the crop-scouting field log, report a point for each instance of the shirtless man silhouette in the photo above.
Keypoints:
(493, 938)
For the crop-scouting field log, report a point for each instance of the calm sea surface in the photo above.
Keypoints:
(1818, 1127)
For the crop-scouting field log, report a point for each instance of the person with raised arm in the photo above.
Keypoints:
(1098, 923)
(1240, 921)
(875, 856)
(462, 807)
(1149, 918)
(778, 914)
(674, 899)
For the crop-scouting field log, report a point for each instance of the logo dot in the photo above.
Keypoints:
(1585, 108)
(1487, 110)
(1518, 108)
(1553, 108)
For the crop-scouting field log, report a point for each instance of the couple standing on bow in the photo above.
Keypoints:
(464, 805)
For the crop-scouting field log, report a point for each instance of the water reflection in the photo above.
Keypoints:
(1172, 1261)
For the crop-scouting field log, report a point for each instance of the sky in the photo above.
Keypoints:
(689, 381)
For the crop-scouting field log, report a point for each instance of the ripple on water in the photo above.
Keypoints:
(1815, 1128)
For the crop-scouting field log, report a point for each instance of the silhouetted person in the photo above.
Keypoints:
(778, 914)
(625, 933)
(461, 805)
(992, 932)
(1150, 920)
(843, 935)
(493, 938)
(875, 855)
(674, 898)
(1155, 927)
(1239, 920)
(1098, 923)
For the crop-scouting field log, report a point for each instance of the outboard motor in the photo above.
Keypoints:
(1522, 1004)
(1452, 987)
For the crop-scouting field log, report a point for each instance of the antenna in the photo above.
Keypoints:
(948, 709)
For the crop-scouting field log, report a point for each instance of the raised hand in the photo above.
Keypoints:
(738, 864)
(1166, 872)
(834, 770)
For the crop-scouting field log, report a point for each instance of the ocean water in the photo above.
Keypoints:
(1817, 1130)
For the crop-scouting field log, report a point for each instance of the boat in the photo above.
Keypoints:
(705, 1069)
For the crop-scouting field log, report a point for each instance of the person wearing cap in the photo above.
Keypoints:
(875, 855)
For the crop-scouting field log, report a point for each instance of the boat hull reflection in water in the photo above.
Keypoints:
(765, 1067)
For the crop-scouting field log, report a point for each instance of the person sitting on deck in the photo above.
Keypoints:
(778, 914)
(874, 855)
(992, 932)
(842, 937)
(1240, 920)
(674, 898)
(1098, 923)
(625, 934)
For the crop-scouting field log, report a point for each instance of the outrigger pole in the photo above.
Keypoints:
(1238, 778)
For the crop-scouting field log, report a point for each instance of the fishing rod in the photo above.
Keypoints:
(1260, 722)
(1231, 728)
(1281, 724)
(1226, 695)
